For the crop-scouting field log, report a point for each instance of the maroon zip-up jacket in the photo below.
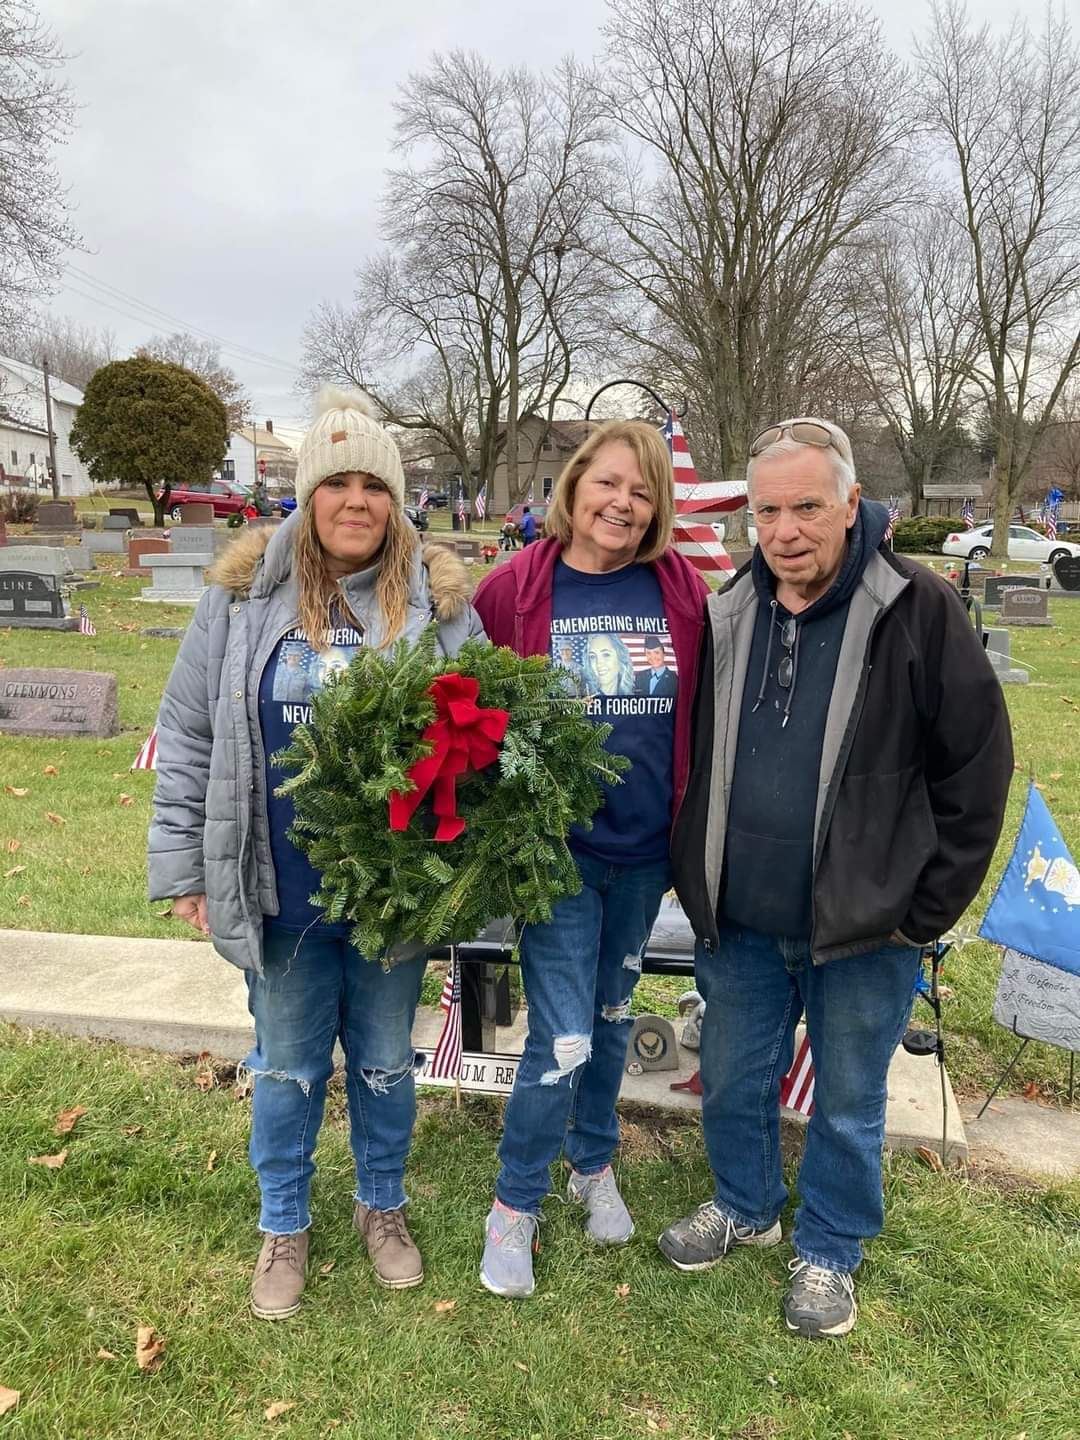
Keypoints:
(514, 602)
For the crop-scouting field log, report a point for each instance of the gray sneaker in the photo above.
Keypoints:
(819, 1303)
(280, 1271)
(701, 1240)
(511, 1239)
(609, 1220)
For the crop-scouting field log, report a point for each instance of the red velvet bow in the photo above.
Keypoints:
(464, 738)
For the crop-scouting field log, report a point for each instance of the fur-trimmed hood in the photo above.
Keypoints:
(260, 558)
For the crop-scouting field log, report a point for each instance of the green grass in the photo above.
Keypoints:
(970, 1300)
(88, 875)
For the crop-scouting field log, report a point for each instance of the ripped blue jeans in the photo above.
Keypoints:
(578, 973)
(301, 1005)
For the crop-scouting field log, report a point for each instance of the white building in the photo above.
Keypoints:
(250, 445)
(23, 436)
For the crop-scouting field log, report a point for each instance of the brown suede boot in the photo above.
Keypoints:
(279, 1276)
(395, 1257)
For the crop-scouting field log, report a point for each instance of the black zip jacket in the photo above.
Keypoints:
(915, 766)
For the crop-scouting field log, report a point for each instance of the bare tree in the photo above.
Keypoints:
(915, 337)
(73, 351)
(472, 319)
(1007, 111)
(761, 137)
(203, 358)
(1057, 458)
(36, 114)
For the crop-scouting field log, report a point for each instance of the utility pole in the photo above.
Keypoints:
(52, 434)
(254, 455)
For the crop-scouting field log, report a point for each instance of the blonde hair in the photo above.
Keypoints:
(319, 594)
(654, 462)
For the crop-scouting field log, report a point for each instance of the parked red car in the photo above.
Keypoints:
(536, 511)
(226, 498)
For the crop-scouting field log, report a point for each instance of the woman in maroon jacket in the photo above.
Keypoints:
(608, 600)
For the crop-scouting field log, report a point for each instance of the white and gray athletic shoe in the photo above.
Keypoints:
(701, 1240)
(820, 1303)
(609, 1221)
(511, 1237)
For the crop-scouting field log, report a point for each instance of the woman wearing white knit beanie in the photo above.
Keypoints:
(285, 608)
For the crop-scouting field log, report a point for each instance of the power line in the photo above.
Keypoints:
(153, 314)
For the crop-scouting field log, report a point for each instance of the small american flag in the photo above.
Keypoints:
(967, 514)
(894, 516)
(146, 759)
(86, 625)
(446, 1061)
(424, 497)
(530, 500)
(480, 505)
(461, 510)
(1051, 523)
(797, 1086)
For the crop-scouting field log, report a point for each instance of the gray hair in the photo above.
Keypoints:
(839, 454)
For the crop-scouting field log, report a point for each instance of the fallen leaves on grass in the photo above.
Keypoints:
(1031, 1090)
(149, 1348)
(104, 1354)
(68, 1119)
(444, 1307)
(24, 901)
(8, 1399)
(622, 1291)
(930, 1157)
(165, 914)
(326, 1269)
(126, 799)
(54, 819)
(211, 1161)
(50, 770)
(12, 845)
(17, 790)
(519, 1365)
(204, 1081)
(279, 1408)
(49, 1162)
(130, 1130)
(15, 870)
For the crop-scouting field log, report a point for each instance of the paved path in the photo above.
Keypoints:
(179, 995)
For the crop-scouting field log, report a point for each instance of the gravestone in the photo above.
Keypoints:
(58, 702)
(999, 650)
(1038, 1000)
(140, 545)
(192, 539)
(164, 632)
(996, 585)
(57, 515)
(1067, 573)
(129, 513)
(99, 542)
(177, 579)
(1025, 607)
(194, 512)
(30, 593)
(112, 521)
(651, 1046)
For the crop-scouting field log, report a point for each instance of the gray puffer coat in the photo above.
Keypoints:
(209, 833)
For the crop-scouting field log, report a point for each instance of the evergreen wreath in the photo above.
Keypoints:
(511, 859)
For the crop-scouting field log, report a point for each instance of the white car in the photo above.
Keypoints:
(1024, 544)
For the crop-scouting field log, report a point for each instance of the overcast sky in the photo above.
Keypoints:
(228, 157)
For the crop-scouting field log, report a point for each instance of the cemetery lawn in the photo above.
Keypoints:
(969, 1302)
(72, 849)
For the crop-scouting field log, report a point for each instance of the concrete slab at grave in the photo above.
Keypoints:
(178, 579)
(58, 703)
(31, 597)
(1025, 607)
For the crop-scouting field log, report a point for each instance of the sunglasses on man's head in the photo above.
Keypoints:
(805, 432)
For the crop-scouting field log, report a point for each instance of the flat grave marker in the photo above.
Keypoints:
(58, 702)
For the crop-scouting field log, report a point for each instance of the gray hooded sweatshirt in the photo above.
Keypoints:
(209, 833)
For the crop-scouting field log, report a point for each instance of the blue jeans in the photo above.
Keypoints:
(756, 987)
(301, 1005)
(578, 972)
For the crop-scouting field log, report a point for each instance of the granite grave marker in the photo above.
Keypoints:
(58, 702)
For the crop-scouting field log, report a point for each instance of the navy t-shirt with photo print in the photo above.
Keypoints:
(293, 673)
(610, 632)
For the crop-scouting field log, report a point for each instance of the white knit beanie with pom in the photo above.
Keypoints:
(346, 436)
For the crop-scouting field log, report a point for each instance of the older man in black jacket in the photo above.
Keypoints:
(851, 763)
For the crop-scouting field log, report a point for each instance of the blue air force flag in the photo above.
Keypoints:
(1036, 907)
